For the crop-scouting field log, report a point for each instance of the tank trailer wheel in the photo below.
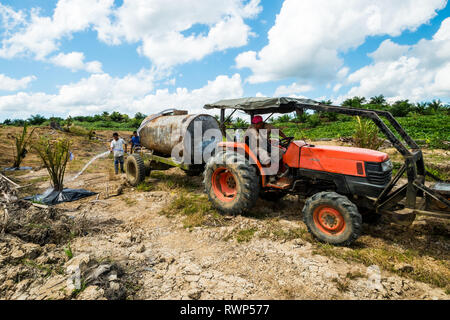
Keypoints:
(135, 169)
(332, 218)
(231, 183)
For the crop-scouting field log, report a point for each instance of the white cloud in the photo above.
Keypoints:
(75, 62)
(388, 50)
(223, 87)
(157, 25)
(308, 36)
(130, 94)
(173, 48)
(161, 27)
(337, 87)
(10, 84)
(415, 72)
(39, 36)
(9, 19)
(292, 89)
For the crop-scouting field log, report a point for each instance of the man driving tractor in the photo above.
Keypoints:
(258, 137)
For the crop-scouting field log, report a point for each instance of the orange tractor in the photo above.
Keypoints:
(341, 185)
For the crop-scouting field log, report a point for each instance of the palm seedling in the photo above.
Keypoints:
(54, 155)
(367, 135)
(21, 142)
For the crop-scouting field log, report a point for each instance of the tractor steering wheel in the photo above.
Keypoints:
(285, 142)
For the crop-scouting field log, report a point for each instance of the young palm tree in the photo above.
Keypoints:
(378, 100)
(421, 107)
(435, 105)
(54, 155)
(21, 143)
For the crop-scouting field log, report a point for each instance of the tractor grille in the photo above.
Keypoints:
(376, 175)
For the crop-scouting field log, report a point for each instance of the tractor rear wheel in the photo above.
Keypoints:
(332, 218)
(231, 183)
(135, 169)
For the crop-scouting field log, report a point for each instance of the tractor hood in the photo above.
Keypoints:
(350, 153)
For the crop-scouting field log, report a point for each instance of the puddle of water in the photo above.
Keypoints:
(101, 155)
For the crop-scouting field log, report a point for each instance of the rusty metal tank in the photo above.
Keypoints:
(163, 133)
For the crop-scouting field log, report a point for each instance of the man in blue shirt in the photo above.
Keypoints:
(135, 142)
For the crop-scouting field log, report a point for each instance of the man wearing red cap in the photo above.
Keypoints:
(260, 132)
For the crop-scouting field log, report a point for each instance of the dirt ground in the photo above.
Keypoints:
(163, 240)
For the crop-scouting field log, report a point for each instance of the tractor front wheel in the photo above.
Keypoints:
(231, 183)
(332, 218)
(135, 169)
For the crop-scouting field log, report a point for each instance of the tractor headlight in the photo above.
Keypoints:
(387, 166)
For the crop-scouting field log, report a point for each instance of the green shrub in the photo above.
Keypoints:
(367, 135)
(313, 120)
(401, 108)
(36, 120)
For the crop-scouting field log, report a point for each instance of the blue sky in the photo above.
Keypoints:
(86, 56)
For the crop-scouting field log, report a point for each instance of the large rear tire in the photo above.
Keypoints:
(231, 183)
(332, 218)
(135, 169)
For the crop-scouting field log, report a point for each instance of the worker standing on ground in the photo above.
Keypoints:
(135, 142)
(117, 147)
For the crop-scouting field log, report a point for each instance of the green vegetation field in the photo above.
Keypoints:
(434, 130)
(428, 122)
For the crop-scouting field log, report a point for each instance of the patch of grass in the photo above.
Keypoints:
(291, 234)
(44, 268)
(245, 235)
(68, 251)
(438, 173)
(76, 292)
(37, 226)
(194, 220)
(39, 179)
(129, 201)
(196, 209)
(387, 258)
(37, 202)
(172, 181)
(145, 187)
(275, 231)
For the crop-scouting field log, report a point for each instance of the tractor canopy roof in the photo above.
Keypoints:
(262, 105)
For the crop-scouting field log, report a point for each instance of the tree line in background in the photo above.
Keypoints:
(400, 108)
(117, 120)
(103, 120)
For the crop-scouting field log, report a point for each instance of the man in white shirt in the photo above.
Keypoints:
(117, 147)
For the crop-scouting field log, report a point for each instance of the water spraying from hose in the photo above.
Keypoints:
(101, 155)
